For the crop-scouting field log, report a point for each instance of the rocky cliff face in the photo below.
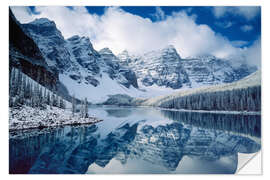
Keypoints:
(123, 74)
(209, 70)
(50, 42)
(25, 55)
(76, 58)
(80, 66)
(162, 68)
(166, 68)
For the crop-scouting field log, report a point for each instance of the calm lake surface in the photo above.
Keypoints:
(138, 140)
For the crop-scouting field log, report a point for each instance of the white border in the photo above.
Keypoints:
(138, 2)
(265, 77)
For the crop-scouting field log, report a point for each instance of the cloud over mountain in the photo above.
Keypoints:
(120, 30)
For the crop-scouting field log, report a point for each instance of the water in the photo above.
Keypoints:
(138, 140)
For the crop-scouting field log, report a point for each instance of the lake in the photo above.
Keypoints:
(138, 141)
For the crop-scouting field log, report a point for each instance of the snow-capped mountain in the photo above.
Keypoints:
(25, 55)
(209, 70)
(82, 69)
(162, 68)
(166, 68)
(50, 42)
(86, 72)
(124, 75)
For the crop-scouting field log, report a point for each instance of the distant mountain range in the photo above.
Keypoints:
(75, 67)
(165, 67)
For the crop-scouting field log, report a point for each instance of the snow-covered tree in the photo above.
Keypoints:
(73, 105)
(62, 103)
(54, 100)
(86, 108)
(82, 109)
(248, 99)
(48, 98)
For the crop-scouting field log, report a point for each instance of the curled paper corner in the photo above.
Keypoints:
(249, 163)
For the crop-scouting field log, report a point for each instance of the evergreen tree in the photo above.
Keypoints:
(247, 99)
(82, 109)
(21, 95)
(85, 108)
(48, 98)
(12, 83)
(73, 105)
(43, 99)
(54, 100)
(62, 103)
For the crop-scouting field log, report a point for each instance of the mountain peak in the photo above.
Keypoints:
(123, 55)
(43, 21)
(105, 51)
(78, 38)
(170, 46)
(206, 57)
(81, 41)
(170, 49)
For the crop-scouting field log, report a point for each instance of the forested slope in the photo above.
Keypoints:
(243, 95)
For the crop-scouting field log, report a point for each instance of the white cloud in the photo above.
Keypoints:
(225, 24)
(120, 30)
(248, 12)
(159, 14)
(239, 43)
(22, 13)
(253, 53)
(246, 28)
(250, 55)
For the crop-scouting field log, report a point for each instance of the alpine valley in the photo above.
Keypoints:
(81, 70)
(76, 109)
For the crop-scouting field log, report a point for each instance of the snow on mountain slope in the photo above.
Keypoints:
(122, 74)
(161, 68)
(99, 93)
(163, 71)
(209, 70)
(79, 65)
(165, 68)
(50, 42)
(250, 81)
(25, 55)
(151, 74)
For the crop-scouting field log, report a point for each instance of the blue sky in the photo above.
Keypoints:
(230, 25)
(221, 31)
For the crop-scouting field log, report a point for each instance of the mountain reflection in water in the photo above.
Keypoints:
(137, 141)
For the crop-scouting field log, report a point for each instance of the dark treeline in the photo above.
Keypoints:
(24, 91)
(246, 124)
(246, 99)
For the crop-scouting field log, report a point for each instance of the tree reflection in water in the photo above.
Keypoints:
(74, 149)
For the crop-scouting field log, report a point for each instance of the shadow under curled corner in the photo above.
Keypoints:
(249, 164)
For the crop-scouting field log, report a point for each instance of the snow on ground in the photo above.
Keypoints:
(155, 93)
(34, 83)
(27, 117)
(210, 111)
(252, 80)
(108, 86)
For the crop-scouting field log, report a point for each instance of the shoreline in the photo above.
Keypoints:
(56, 126)
(187, 110)
(214, 111)
(26, 118)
